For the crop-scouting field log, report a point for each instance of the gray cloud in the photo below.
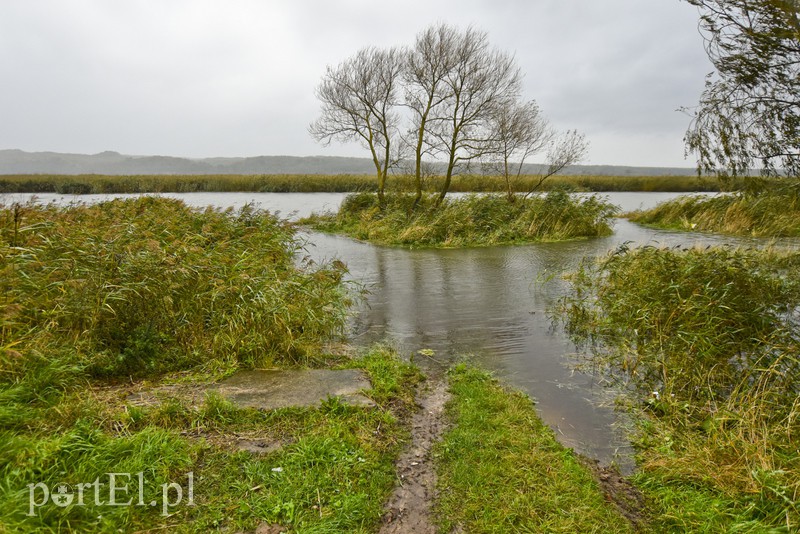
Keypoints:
(234, 78)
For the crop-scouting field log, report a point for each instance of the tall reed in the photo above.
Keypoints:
(708, 341)
(144, 286)
(768, 214)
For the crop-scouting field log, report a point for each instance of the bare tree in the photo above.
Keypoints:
(481, 80)
(517, 130)
(429, 61)
(564, 150)
(359, 100)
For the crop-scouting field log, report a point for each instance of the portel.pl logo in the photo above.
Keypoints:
(121, 489)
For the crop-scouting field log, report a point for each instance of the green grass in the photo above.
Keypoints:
(471, 221)
(706, 341)
(502, 470)
(295, 183)
(332, 474)
(768, 214)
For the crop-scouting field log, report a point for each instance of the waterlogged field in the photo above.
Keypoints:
(102, 301)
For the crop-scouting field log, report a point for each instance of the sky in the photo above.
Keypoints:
(229, 78)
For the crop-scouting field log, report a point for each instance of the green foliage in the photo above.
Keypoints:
(502, 470)
(81, 455)
(470, 221)
(769, 214)
(749, 112)
(707, 339)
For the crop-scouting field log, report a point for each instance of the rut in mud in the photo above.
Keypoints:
(409, 507)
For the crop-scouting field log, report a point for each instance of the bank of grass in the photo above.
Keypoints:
(501, 469)
(315, 183)
(102, 300)
(474, 220)
(768, 214)
(707, 342)
(332, 473)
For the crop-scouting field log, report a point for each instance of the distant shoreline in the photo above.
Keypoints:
(14, 162)
(342, 183)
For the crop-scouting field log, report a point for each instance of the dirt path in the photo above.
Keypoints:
(409, 508)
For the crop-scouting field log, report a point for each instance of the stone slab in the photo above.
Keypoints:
(272, 389)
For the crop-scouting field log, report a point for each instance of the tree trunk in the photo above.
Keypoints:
(447, 178)
(511, 196)
(418, 154)
(381, 187)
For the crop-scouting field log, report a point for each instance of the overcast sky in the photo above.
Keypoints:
(206, 78)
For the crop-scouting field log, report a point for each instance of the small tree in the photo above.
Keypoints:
(750, 108)
(517, 130)
(564, 150)
(481, 81)
(429, 61)
(359, 100)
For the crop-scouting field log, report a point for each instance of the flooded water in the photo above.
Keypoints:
(489, 303)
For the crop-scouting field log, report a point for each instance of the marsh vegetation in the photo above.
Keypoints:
(102, 301)
(774, 212)
(469, 221)
(320, 183)
(706, 342)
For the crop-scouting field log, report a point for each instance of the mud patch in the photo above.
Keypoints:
(409, 507)
(619, 490)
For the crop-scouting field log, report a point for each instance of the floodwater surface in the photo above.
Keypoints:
(489, 304)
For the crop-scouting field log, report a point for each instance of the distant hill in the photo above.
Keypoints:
(114, 163)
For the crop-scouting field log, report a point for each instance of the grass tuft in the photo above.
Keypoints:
(769, 214)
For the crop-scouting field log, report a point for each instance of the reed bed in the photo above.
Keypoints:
(102, 301)
(706, 341)
(768, 214)
(291, 183)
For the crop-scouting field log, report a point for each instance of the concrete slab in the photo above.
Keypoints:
(272, 389)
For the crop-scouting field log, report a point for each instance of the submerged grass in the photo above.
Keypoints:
(502, 470)
(470, 221)
(769, 214)
(707, 342)
(310, 183)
